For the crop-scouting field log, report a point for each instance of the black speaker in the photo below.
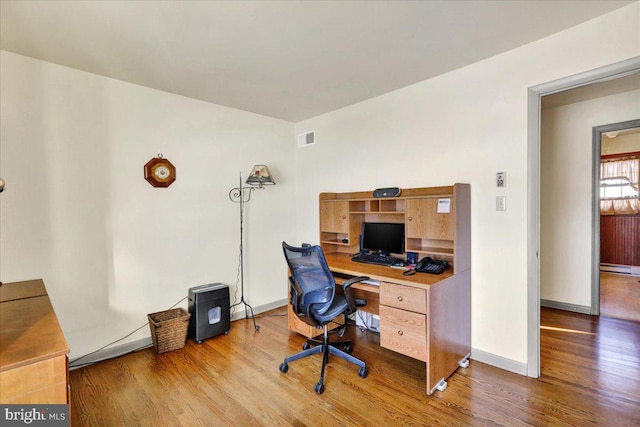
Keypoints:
(386, 192)
(209, 309)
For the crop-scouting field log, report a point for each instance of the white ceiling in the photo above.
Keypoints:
(286, 59)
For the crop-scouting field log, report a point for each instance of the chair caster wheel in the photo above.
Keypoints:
(284, 367)
(363, 372)
(348, 349)
(319, 388)
(306, 346)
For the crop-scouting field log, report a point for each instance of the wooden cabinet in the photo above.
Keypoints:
(425, 222)
(33, 350)
(334, 217)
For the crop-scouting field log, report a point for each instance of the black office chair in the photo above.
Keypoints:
(314, 300)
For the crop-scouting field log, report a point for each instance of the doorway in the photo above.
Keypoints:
(610, 72)
(616, 171)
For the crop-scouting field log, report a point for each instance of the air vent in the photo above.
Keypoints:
(308, 138)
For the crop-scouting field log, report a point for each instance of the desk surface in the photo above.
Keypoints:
(29, 328)
(21, 290)
(341, 263)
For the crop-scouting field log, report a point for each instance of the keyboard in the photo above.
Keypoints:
(378, 259)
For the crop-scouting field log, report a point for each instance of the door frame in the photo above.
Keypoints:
(534, 101)
(597, 153)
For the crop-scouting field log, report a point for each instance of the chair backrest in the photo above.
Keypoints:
(312, 285)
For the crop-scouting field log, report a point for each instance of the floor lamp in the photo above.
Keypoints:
(258, 178)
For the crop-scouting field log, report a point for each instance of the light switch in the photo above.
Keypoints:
(501, 203)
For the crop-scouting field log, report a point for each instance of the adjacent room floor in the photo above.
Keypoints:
(620, 296)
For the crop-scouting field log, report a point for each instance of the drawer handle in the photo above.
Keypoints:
(400, 333)
(399, 298)
(410, 218)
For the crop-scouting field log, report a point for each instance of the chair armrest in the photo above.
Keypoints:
(347, 292)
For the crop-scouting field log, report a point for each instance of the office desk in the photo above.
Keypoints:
(33, 349)
(424, 316)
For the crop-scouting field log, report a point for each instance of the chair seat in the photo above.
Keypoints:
(338, 306)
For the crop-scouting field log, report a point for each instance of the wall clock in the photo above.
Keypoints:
(159, 172)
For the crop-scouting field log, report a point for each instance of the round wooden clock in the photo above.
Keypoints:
(159, 172)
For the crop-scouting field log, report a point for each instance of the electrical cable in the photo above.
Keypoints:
(364, 326)
(71, 362)
(235, 292)
(271, 315)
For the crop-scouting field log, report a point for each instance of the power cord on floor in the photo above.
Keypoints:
(364, 326)
(72, 362)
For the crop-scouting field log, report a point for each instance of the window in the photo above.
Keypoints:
(617, 188)
(619, 192)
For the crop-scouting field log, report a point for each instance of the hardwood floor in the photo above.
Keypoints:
(620, 296)
(590, 376)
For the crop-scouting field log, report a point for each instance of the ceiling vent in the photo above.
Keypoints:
(308, 138)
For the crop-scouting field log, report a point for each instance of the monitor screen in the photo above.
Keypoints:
(382, 237)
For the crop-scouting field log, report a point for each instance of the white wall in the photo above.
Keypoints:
(566, 211)
(627, 143)
(463, 126)
(78, 213)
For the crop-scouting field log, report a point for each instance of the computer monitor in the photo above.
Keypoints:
(382, 237)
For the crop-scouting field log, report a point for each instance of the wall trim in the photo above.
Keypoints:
(584, 309)
(130, 347)
(499, 361)
(535, 93)
(239, 313)
(110, 353)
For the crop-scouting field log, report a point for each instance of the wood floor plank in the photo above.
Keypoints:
(590, 376)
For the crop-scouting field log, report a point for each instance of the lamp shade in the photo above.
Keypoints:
(260, 176)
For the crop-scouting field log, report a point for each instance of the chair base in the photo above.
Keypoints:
(326, 348)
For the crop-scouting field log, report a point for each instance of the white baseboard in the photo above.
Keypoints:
(239, 309)
(110, 353)
(499, 361)
(565, 306)
(632, 270)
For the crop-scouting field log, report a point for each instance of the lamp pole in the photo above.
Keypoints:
(242, 195)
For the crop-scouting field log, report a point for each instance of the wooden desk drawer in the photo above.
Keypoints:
(39, 382)
(404, 332)
(403, 297)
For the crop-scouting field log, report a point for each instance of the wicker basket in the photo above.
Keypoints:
(169, 329)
